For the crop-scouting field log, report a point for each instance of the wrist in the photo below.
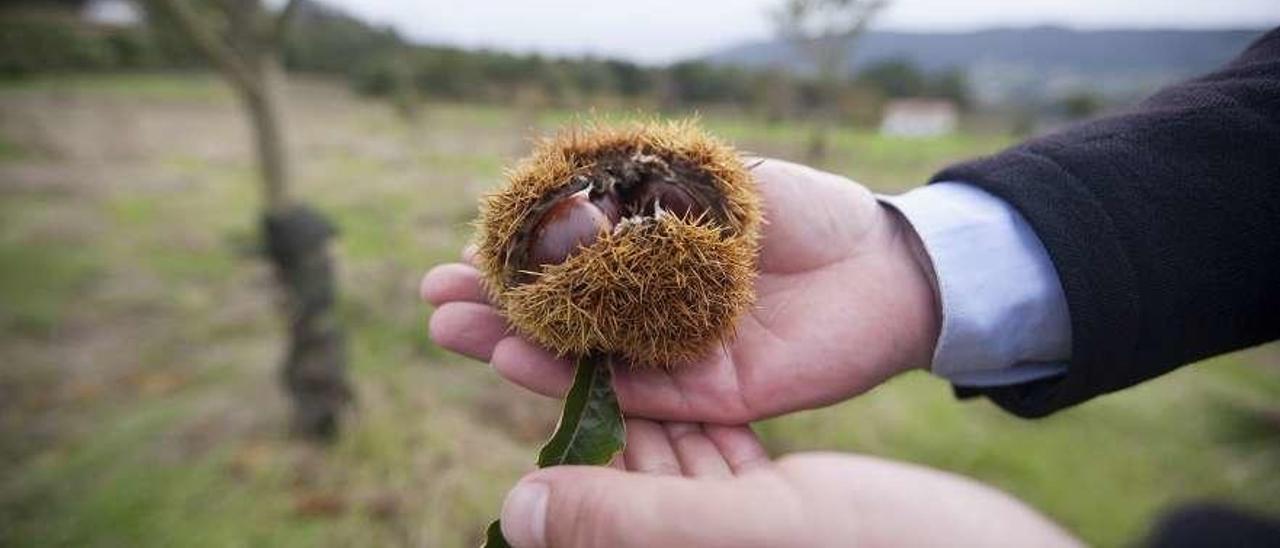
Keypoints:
(920, 300)
(1003, 313)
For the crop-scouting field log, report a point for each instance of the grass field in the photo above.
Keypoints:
(138, 395)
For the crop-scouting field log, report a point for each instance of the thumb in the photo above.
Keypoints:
(578, 506)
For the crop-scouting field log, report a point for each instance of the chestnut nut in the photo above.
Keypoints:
(575, 221)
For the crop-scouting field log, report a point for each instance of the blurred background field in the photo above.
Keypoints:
(140, 402)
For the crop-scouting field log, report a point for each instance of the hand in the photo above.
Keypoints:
(844, 301)
(683, 484)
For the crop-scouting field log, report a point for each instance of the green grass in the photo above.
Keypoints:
(116, 489)
(9, 151)
(37, 284)
(39, 275)
(158, 422)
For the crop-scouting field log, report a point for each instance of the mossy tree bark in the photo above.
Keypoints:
(246, 52)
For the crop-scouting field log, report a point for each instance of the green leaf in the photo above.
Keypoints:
(591, 429)
(493, 536)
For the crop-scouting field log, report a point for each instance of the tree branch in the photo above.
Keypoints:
(282, 20)
(222, 56)
(863, 17)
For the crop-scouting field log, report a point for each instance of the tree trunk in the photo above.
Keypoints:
(296, 236)
(314, 371)
(404, 88)
(273, 155)
(816, 152)
(246, 50)
(819, 139)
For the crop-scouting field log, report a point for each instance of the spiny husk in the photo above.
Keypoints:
(659, 293)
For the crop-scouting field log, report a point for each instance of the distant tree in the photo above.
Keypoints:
(242, 39)
(31, 44)
(553, 79)
(860, 105)
(451, 73)
(699, 82)
(1080, 105)
(592, 77)
(631, 79)
(773, 95)
(951, 85)
(55, 4)
(825, 31)
(323, 39)
(405, 96)
(53, 36)
(895, 78)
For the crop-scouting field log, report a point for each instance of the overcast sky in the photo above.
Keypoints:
(664, 30)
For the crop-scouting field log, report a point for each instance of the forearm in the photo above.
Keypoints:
(1163, 224)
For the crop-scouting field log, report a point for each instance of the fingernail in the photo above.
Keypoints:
(524, 515)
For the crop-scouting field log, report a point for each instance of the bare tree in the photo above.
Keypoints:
(242, 39)
(825, 32)
(405, 96)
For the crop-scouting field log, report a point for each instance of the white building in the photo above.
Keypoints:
(111, 13)
(919, 118)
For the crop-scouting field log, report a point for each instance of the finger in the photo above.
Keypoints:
(452, 282)
(739, 446)
(649, 450)
(698, 456)
(469, 329)
(532, 367)
(579, 506)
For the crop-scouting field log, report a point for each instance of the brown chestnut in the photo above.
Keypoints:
(572, 222)
(608, 203)
(671, 198)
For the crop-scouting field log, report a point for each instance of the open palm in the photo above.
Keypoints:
(842, 305)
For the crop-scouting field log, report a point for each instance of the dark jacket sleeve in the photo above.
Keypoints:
(1163, 223)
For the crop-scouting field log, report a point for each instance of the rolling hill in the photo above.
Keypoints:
(1032, 64)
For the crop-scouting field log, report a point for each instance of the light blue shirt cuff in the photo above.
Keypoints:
(1004, 316)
